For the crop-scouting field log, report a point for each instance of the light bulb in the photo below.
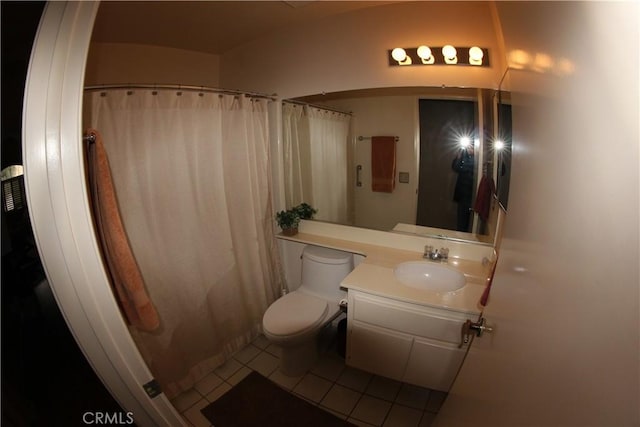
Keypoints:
(399, 54)
(498, 145)
(475, 55)
(424, 52)
(465, 141)
(449, 52)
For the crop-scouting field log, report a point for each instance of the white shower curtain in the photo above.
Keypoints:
(191, 172)
(316, 148)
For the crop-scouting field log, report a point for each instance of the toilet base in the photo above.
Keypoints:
(297, 360)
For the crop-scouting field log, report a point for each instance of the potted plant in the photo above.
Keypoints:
(288, 220)
(305, 211)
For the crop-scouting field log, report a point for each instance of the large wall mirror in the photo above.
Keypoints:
(447, 171)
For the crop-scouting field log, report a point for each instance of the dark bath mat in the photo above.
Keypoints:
(257, 401)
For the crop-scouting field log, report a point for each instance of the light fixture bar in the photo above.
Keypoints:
(462, 54)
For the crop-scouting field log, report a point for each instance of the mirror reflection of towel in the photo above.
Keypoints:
(383, 163)
(486, 189)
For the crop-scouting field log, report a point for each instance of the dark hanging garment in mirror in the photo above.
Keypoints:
(464, 165)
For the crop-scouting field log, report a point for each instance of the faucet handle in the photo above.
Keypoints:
(444, 253)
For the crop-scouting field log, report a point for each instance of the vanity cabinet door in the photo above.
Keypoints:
(433, 364)
(378, 350)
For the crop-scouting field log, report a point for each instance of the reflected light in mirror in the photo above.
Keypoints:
(465, 141)
(519, 59)
(498, 145)
(542, 62)
(564, 67)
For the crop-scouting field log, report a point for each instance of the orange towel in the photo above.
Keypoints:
(383, 163)
(126, 278)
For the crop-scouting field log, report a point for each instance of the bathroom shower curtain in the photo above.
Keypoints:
(316, 152)
(191, 172)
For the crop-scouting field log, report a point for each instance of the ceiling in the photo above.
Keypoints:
(208, 26)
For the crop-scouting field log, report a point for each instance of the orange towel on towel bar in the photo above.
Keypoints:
(126, 278)
(383, 163)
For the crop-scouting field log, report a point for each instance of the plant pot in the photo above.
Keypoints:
(290, 231)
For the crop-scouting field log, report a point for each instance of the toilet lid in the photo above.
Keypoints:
(294, 313)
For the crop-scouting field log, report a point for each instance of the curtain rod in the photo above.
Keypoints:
(322, 107)
(272, 97)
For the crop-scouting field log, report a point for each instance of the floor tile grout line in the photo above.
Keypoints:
(362, 393)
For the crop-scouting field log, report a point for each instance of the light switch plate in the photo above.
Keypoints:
(403, 177)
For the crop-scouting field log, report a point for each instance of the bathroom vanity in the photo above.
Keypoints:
(400, 331)
(408, 334)
(407, 342)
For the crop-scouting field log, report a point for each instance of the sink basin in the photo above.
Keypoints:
(429, 276)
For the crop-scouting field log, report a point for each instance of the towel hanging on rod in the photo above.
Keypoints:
(123, 271)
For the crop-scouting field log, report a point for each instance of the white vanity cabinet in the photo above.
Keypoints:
(407, 342)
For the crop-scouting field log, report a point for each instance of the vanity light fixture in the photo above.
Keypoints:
(450, 54)
(440, 55)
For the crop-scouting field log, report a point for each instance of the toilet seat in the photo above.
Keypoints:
(294, 314)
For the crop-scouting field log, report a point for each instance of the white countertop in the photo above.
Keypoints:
(374, 274)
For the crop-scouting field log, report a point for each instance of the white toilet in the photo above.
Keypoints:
(293, 321)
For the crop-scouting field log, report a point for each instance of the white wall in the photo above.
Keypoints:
(123, 63)
(349, 51)
(565, 298)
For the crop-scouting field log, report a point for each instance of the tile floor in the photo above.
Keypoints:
(361, 398)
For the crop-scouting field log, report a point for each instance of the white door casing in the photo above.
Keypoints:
(60, 215)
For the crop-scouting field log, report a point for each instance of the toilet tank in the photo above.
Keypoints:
(323, 269)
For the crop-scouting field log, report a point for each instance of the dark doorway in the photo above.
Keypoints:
(443, 124)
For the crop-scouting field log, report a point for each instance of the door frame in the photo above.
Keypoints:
(61, 219)
(478, 147)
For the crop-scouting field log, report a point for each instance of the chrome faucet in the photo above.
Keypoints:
(432, 254)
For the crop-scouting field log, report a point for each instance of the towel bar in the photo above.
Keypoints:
(362, 138)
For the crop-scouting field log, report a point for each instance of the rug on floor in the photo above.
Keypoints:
(257, 401)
